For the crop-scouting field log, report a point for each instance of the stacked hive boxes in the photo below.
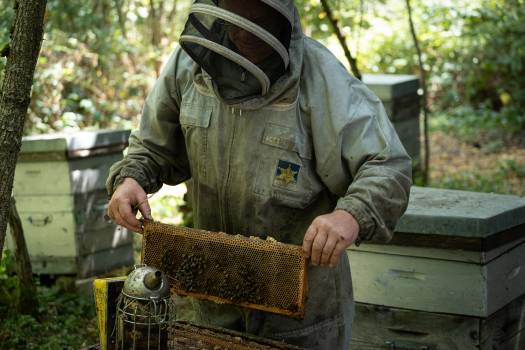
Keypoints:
(453, 277)
(399, 94)
(60, 194)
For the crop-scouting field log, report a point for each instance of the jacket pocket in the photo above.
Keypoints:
(285, 171)
(195, 115)
(195, 120)
(286, 138)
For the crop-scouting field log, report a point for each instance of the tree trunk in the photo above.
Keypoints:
(342, 40)
(156, 19)
(27, 301)
(173, 13)
(121, 18)
(422, 75)
(15, 94)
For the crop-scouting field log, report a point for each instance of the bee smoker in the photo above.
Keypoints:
(143, 310)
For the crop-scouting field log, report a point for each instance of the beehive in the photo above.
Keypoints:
(59, 187)
(246, 271)
(453, 277)
(399, 95)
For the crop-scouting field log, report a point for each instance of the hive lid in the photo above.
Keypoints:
(439, 215)
(389, 86)
(80, 140)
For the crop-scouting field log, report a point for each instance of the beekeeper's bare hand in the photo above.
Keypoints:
(126, 200)
(328, 237)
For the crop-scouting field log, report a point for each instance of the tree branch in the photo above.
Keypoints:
(27, 301)
(342, 40)
(18, 79)
(422, 75)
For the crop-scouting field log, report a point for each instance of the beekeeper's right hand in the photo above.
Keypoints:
(126, 200)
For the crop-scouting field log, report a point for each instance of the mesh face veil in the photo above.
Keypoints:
(210, 38)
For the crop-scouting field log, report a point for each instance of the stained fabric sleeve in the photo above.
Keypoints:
(157, 152)
(380, 168)
(359, 156)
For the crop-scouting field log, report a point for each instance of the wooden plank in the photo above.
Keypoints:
(421, 252)
(49, 233)
(113, 236)
(505, 329)
(49, 143)
(505, 278)
(502, 249)
(377, 327)
(105, 261)
(460, 241)
(90, 209)
(42, 157)
(478, 257)
(456, 213)
(72, 141)
(106, 293)
(406, 107)
(403, 108)
(408, 131)
(79, 175)
(99, 151)
(90, 174)
(38, 178)
(390, 86)
(35, 203)
(418, 283)
(54, 265)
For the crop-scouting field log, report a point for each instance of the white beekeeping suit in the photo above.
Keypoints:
(268, 147)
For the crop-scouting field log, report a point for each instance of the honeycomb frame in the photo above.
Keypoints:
(249, 272)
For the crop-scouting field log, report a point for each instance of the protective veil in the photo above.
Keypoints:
(206, 38)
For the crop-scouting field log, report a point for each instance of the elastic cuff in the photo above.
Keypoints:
(359, 211)
(148, 185)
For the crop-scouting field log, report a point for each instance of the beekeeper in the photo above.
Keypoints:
(277, 139)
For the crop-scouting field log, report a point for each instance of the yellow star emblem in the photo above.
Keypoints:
(287, 175)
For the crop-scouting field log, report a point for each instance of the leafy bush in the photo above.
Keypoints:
(474, 53)
(97, 62)
(67, 322)
(8, 282)
(472, 124)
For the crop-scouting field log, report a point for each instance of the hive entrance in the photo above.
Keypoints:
(216, 266)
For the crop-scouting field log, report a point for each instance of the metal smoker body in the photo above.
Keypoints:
(143, 310)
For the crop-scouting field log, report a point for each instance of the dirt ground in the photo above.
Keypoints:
(488, 166)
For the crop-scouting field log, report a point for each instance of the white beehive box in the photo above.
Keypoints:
(61, 198)
(399, 94)
(454, 274)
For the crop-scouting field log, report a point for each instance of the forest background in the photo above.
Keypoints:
(99, 59)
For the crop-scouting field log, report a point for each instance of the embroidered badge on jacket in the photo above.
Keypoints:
(287, 172)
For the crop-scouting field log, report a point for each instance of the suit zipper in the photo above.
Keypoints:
(226, 223)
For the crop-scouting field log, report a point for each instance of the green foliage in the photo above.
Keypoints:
(496, 181)
(470, 124)
(98, 60)
(67, 322)
(473, 51)
(174, 209)
(6, 18)
(9, 287)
